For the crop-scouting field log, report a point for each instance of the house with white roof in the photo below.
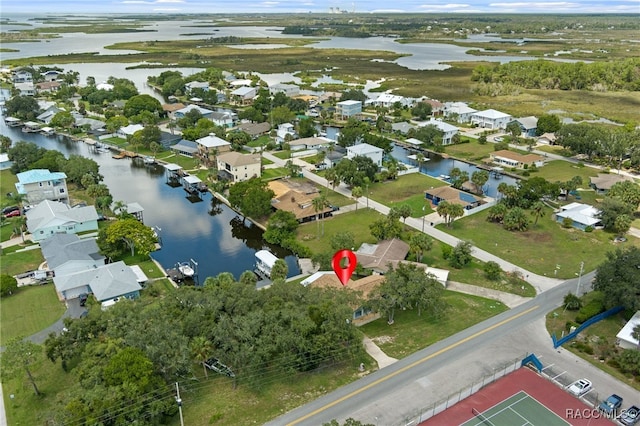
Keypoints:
(21, 76)
(224, 119)
(41, 184)
(181, 113)
(106, 282)
(290, 90)
(244, 95)
(104, 86)
(626, 339)
(581, 215)
(26, 88)
(197, 85)
(366, 150)
(67, 253)
(491, 119)
(265, 260)
(5, 163)
(387, 100)
(48, 114)
(52, 217)
(211, 145)
(448, 130)
(128, 131)
(239, 82)
(347, 109)
(459, 110)
(285, 129)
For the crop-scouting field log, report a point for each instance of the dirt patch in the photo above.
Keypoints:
(536, 236)
(381, 340)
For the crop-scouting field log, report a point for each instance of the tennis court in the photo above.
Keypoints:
(519, 409)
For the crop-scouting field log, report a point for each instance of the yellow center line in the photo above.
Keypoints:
(407, 367)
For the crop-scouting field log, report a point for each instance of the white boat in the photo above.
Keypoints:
(186, 269)
(445, 177)
(149, 159)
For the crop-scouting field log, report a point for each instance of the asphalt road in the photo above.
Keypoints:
(399, 393)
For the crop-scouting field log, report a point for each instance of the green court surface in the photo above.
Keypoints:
(518, 410)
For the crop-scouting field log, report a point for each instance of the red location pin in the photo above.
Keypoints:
(344, 273)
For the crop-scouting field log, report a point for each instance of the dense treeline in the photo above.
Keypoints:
(126, 359)
(543, 74)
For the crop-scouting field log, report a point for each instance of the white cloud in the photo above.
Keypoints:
(448, 6)
(539, 5)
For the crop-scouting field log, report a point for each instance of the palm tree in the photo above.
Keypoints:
(201, 349)
(537, 211)
(318, 206)
(420, 159)
(356, 192)
(331, 177)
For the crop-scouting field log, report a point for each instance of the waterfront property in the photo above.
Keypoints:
(448, 131)
(67, 253)
(454, 196)
(379, 257)
(264, 263)
(237, 167)
(41, 184)
(296, 201)
(490, 119)
(52, 217)
(186, 148)
(210, 146)
(290, 90)
(515, 160)
(244, 95)
(366, 150)
(348, 109)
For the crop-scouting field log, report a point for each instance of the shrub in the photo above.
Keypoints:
(446, 251)
(572, 302)
(525, 173)
(492, 270)
(591, 308)
(567, 222)
(568, 325)
(588, 229)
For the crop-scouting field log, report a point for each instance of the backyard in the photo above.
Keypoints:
(408, 189)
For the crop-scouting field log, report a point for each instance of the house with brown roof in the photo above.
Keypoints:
(255, 129)
(515, 160)
(237, 167)
(362, 314)
(379, 257)
(48, 86)
(300, 204)
(170, 109)
(604, 181)
(454, 196)
(437, 107)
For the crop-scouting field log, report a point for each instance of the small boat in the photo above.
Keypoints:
(186, 269)
(149, 159)
(445, 177)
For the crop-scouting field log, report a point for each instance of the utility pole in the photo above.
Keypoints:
(579, 278)
(179, 401)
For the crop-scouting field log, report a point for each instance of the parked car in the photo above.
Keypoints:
(611, 405)
(498, 139)
(630, 416)
(10, 209)
(13, 213)
(580, 387)
(83, 299)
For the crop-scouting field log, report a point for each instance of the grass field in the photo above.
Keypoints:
(540, 248)
(16, 262)
(472, 151)
(28, 311)
(563, 171)
(403, 188)
(411, 332)
(269, 174)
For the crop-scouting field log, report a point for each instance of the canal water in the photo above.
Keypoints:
(205, 230)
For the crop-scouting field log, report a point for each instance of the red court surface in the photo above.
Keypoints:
(556, 399)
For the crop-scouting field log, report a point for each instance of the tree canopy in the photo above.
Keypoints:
(252, 197)
(618, 278)
(127, 234)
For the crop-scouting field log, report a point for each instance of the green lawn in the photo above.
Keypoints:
(403, 188)
(411, 332)
(187, 163)
(419, 205)
(541, 248)
(28, 311)
(472, 151)
(283, 155)
(270, 174)
(265, 161)
(554, 149)
(14, 263)
(356, 222)
(7, 185)
(559, 170)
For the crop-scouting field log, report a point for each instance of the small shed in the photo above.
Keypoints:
(264, 262)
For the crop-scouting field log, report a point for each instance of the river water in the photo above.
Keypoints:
(204, 230)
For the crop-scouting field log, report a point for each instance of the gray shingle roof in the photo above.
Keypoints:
(106, 282)
(62, 248)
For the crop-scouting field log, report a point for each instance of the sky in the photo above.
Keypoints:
(316, 6)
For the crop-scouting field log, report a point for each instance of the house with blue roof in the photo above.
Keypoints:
(67, 253)
(52, 217)
(106, 283)
(181, 113)
(453, 196)
(40, 184)
(580, 215)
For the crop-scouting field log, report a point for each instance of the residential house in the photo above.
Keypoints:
(25, 89)
(48, 87)
(134, 209)
(581, 215)
(67, 253)
(128, 131)
(181, 113)
(244, 95)
(348, 109)
(285, 129)
(604, 181)
(448, 130)
(290, 90)
(387, 100)
(48, 114)
(190, 86)
(106, 282)
(300, 204)
(528, 126)
(491, 119)
(402, 128)
(89, 123)
(437, 107)
(52, 217)
(513, 159)
(378, 257)
(186, 148)
(334, 155)
(210, 146)
(224, 119)
(5, 163)
(315, 142)
(459, 111)
(452, 195)
(237, 167)
(51, 75)
(239, 82)
(366, 150)
(255, 130)
(104, 86)
(168, 139)
(625, 337)
(21, 76)
(170, 109)
(547, 139)
(362, 313)
(41, 184)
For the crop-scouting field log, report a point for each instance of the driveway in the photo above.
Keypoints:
(74, 310)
